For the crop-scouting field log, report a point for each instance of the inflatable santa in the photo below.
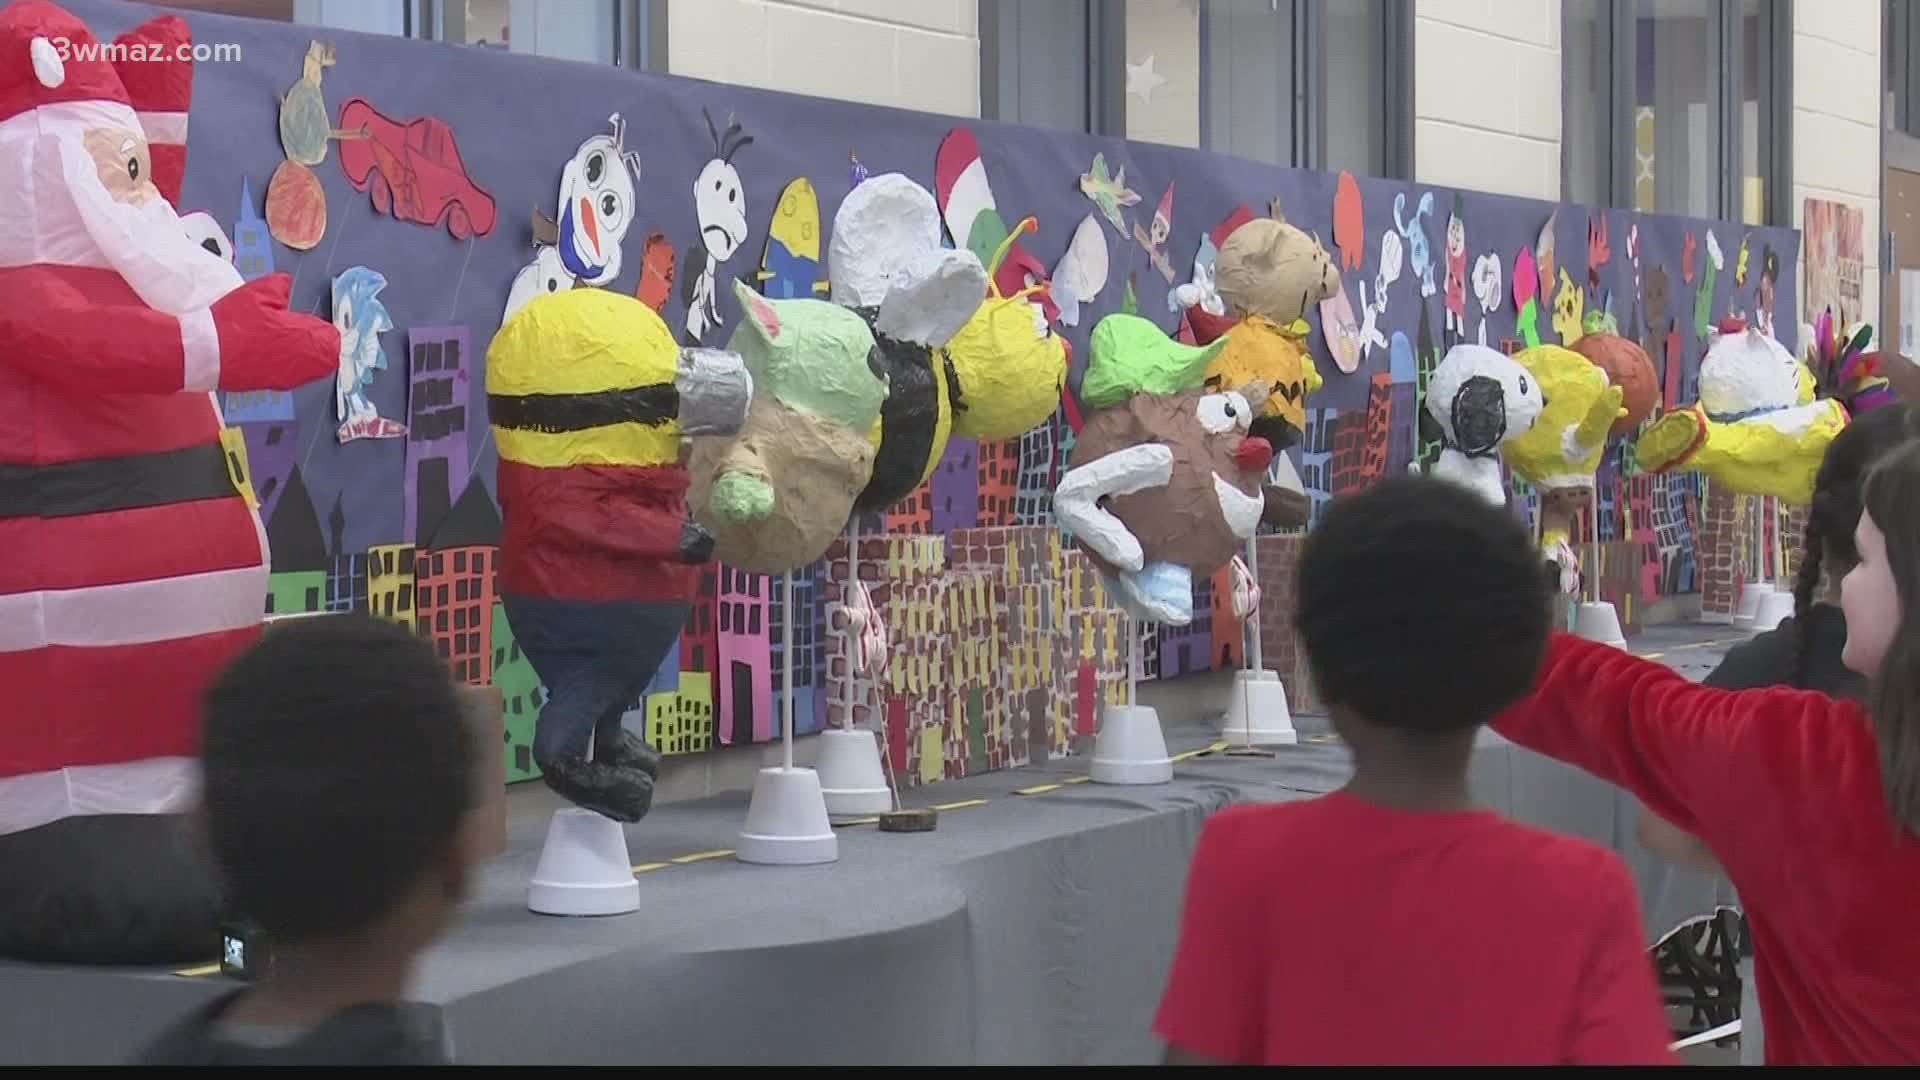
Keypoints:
(132, 565)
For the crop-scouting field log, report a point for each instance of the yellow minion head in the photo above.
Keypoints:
(594, 377)
(1010, 367)
(1563, 448)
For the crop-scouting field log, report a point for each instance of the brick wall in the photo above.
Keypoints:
(1279, 556)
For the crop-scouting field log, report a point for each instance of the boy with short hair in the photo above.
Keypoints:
(338, 773)
(1392, 922)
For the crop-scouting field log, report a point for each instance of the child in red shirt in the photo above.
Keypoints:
(1391, 922)
(1811, 804)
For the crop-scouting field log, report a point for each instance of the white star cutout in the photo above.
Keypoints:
(1142, 80)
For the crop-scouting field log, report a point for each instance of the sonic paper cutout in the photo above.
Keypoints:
(360, 317)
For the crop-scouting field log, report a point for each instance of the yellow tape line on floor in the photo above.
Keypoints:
(705, 856)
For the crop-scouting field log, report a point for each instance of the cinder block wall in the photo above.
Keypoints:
(1499, 133)
(914, 54)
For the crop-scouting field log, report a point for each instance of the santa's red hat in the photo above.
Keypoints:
(156, 65)
(48, 57)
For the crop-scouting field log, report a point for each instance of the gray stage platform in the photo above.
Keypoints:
(1030, 929)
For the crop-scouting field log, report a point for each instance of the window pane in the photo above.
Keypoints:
(1040, 53)
(486, 23)
(277, 10)
(1354, 107)
(1246, 80)
(1676, 129)
(1757, 109)
(1586, 57)
(1163, 71)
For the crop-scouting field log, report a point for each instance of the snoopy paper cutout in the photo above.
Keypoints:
(360, 318)
(1486, 288)
(1418, 256)
(720, 205)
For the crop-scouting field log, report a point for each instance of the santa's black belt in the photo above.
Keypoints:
(554, 413)
(104, 485)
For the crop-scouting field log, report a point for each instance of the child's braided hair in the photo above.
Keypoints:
(1835, 511)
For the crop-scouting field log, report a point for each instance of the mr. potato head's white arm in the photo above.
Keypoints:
(1077, 501)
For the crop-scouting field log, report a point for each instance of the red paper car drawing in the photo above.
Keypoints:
(413, 171)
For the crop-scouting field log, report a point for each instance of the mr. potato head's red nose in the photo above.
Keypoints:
(1254, 454)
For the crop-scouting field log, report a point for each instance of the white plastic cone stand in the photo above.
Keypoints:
(1257, 714)
(1130, 748)
(787, 820)
(1749, 605)
(584, 868)
(1775, 607)
(1599, 622)
(851, 776)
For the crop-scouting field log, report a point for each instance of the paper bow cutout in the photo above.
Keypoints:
(1246, 592)
(866, 631)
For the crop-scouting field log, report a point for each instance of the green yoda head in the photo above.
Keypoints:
(776, 494)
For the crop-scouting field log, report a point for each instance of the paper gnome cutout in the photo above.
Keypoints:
(588, 397)
(1477, 400)
(1626, 366)
(1563, 449)
(886, 263)
(120, 597)
(775, 495)
(1271, 269)
(1756, 429)
(1164, 482)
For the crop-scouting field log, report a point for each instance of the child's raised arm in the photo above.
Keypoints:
(1696, 756)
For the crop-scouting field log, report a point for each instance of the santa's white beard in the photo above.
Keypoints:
(146, 244)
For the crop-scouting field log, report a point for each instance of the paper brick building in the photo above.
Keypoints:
(1279, 561)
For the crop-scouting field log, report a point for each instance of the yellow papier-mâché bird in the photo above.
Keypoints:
(1756, 429)
(1562, 450)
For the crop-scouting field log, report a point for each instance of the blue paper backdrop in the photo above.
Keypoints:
(518, 119)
